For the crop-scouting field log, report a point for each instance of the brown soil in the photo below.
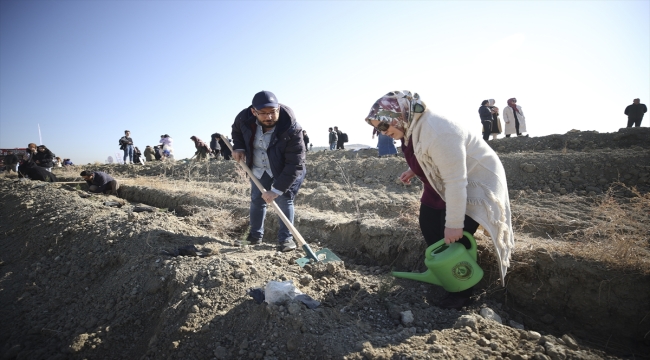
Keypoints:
(80, 279)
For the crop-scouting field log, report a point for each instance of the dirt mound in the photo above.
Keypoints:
(86, 276)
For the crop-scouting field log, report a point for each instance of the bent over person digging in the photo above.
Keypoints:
(268, 138)
(464, 180)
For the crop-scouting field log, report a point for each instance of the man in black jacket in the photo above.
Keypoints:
(267, 136)
(635, 113)
(340, 141)
(486, 119)
(100, 182)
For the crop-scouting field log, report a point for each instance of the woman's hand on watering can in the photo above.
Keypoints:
(406, 176)
(452, 235)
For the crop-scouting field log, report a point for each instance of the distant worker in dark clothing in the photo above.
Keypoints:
(222, 148)
(100, 182)
(157, 152)
(67, 162)
(138, 158)
(333, 139)
(486, 119)
(30, 170)
(635, 113)
(306, 139)
(202, 149)
(214, 145)
(11, 162)
(44, 157)
(339, 139)
(149, 154)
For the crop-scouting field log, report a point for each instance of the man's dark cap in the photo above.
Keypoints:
(84, 173)
(264, 99)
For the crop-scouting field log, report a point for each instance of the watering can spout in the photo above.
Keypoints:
(427, 276)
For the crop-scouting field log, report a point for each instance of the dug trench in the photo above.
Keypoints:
(84, 277)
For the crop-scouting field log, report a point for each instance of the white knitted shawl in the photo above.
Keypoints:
(469, 177)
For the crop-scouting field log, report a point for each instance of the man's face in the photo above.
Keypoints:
(268, 116)
(636, 101)
(88, 177)
(128, 133)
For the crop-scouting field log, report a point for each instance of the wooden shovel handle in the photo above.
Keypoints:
(284, 219)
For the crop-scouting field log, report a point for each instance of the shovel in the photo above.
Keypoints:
(323, 255)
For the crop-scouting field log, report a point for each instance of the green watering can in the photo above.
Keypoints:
(451, 266)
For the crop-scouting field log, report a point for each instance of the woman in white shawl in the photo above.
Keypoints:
(514, 118)
(461, 169)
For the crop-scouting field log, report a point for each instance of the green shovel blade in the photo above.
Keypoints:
(323, 255)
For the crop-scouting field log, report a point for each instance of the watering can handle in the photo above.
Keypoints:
(435, 246)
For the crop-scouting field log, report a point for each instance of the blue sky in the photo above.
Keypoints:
(84, 71)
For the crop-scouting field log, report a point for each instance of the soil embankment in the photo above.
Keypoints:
(83, 277)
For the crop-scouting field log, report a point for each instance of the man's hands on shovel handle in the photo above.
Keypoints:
(269, 196)
(239, 155)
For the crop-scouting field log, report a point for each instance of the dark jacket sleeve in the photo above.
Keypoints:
(627, 110)
(294, 160)
(237, 128)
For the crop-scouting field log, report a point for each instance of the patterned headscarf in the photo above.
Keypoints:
(398, 109)
(513, 105)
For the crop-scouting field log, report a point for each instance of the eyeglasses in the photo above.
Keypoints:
(265, 114)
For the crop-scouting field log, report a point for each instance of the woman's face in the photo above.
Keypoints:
(392, 131)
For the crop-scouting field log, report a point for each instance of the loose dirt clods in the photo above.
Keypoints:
(83, 279)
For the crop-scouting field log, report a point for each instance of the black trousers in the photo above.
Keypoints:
(432, 225)
(487, 129)
(635, 122)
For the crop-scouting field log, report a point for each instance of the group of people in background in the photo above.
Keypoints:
(513, 117)
(337, 139)
(133, 155)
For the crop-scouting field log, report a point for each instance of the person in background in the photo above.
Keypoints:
(305, 138)
(57, 162)
(464, 180)
(215, 146)
(157, 153)
(385, 144)
(333, 139)
(267, 136)
(67, 162)
(149, 154)
(486, 119)
(100, 182)
(126, 144)
(29, 170)
(30, 152)
(44, 157)
(514, 118)
(166, 142)
(137, 156)
(202, 149)
(224, 150)
(496, 120)
(635, 113)
(340, 144)
(11, 162)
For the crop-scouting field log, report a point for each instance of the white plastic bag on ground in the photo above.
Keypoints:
(276, 292)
